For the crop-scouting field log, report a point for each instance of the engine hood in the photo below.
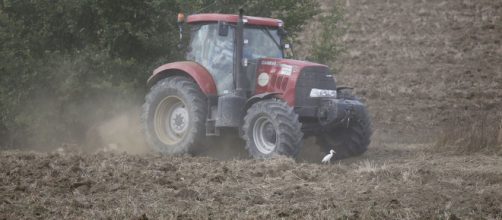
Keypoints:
(280, 76)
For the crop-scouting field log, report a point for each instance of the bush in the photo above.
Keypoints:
(326, 47)
(69, 64)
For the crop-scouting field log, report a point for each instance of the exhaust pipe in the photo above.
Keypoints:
(238, 59)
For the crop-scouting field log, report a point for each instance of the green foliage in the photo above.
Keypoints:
(294, 13)
(68, 64)
(326, 48)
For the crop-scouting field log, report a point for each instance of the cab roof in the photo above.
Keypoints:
(230, 18)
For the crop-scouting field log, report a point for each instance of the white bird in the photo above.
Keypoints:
(328, 157)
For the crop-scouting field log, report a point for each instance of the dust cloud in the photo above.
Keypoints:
(121, 133)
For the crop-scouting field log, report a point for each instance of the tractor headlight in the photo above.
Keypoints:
(320, 93)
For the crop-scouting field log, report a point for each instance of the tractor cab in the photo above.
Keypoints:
(213, 43)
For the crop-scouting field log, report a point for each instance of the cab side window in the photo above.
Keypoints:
(215, 53)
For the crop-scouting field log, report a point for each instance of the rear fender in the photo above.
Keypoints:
(187, 68)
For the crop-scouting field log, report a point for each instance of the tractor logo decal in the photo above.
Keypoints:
(263, 79)
(269, 63)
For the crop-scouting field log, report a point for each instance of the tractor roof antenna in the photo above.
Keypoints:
(241, 11)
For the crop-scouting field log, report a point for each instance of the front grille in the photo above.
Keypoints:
(312, 77)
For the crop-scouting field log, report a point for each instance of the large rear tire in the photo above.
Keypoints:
(173, 116)
(350, 139)
(271, 128)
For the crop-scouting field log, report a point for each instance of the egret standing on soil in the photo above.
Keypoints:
(328, 157)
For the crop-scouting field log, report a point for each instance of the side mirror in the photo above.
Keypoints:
(288, 50)
(222, 28)
(282, 32)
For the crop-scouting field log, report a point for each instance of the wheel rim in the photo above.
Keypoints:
(171, 120)
(264, 135)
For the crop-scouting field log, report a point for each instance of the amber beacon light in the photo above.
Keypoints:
(181, 17)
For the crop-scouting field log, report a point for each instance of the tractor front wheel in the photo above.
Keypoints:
(348, 140)
(271, 128)
(173, 116)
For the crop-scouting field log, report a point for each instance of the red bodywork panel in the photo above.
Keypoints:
(283, 74)
(233, 19)
(193, 69)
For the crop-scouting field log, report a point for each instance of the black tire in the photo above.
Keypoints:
(180, 99)
(271, 128)
(348, 140)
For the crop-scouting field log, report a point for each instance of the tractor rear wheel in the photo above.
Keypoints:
(271, 128)
(350, 139)
(174, 115)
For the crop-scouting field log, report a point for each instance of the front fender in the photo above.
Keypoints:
(188, 68)
(261, 96)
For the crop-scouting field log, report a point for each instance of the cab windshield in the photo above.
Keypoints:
(261, 42)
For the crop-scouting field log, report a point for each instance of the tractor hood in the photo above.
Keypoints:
(285, 77)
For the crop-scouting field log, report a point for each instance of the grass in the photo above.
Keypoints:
(368, 166)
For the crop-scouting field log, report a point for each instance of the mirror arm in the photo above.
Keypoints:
(180, 28)
(180, 22)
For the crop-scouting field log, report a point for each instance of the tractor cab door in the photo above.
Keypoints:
(214, 51)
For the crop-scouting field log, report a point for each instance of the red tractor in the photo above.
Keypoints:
(236, 77)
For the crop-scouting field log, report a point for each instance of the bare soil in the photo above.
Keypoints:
(390, 181)
(424, 66)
